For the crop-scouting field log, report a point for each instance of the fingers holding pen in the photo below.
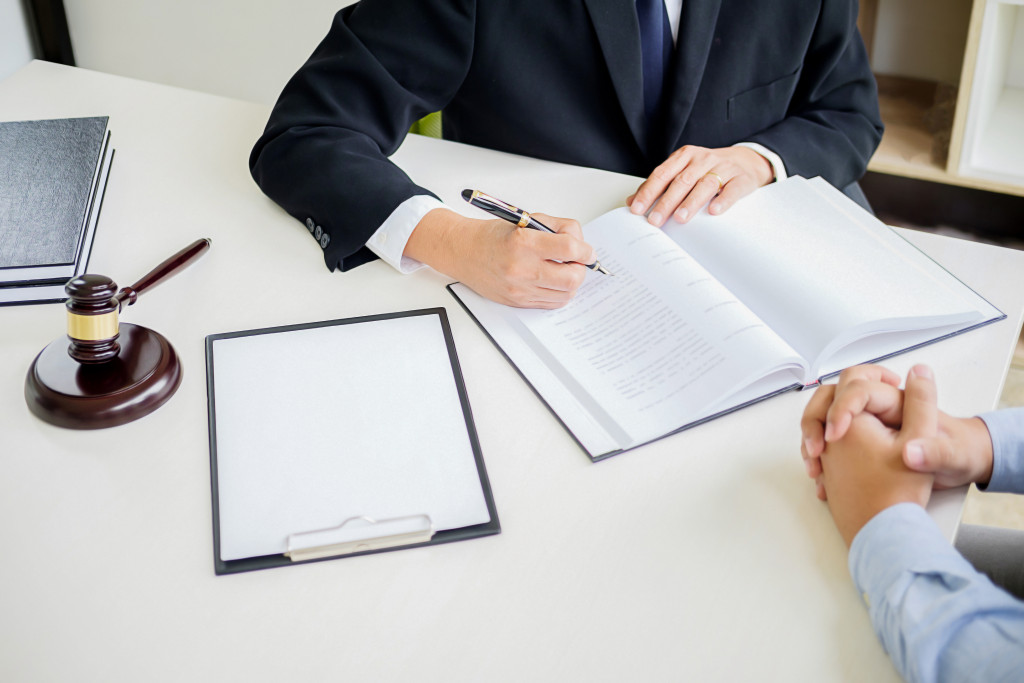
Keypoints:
(540, 269)
(563, 226)
(570, 246)
(578, 251)
(553, 287)
(499, 261)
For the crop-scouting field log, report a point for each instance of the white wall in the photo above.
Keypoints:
(16, 47)
(921, 38)
(247, 49)
(244, 49)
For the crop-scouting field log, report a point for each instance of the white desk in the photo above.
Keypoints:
(704, 556)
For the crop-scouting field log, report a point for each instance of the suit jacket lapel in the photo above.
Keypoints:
(619, 36)
(696, 31)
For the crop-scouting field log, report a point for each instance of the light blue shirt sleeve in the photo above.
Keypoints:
(937, 617)
(1006, 427)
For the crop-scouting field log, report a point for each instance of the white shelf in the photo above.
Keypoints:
(993, 143)
(925, 52)
(998, 151)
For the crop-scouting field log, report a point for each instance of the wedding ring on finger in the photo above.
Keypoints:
(721, 183)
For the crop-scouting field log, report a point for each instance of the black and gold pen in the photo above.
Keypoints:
(520, 218)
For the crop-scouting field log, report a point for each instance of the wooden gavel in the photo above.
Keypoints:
(93, 306)
(109, 373)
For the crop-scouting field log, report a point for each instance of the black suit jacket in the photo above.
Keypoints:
(558, 80)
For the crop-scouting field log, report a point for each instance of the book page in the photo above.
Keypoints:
(577, 411)
(819, 277)
(650, 348)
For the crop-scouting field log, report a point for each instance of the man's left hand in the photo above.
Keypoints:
(694, 176)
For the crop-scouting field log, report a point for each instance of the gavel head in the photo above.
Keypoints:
(92, 319)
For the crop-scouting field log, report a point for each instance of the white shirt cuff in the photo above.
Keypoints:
(774, 159)
(391, 237)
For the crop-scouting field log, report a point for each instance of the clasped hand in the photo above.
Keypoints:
(869, 445)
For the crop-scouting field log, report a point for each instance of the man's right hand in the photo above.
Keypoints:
(862, 472)
(513, 266)
(960, 454)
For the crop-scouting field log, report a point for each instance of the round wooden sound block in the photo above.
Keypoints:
(140, 379)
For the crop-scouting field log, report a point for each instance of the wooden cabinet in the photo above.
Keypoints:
(951, 89)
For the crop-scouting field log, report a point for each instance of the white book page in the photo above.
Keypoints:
(319, 425)
(896, 242)
(577, 410)
(657, 343)
(820, 278)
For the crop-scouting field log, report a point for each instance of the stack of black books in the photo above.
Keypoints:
(53, 175)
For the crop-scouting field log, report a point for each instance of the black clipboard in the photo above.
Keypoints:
(403, 531)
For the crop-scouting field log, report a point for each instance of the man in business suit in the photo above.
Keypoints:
(748, 92)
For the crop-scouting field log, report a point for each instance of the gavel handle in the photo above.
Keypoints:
(129, 295)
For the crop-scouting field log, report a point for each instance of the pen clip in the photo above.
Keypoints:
(477, 194)
(496, 207)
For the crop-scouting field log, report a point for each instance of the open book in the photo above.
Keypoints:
(792, 285)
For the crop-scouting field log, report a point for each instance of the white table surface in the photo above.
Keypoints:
(704, 556)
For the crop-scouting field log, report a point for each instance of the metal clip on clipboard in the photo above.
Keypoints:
(359, 534)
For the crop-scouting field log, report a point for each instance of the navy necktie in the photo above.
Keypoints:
(656, 49)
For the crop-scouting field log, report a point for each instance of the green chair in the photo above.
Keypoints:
(429, 125)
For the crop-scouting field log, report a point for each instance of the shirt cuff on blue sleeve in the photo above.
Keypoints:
(1006, 427)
